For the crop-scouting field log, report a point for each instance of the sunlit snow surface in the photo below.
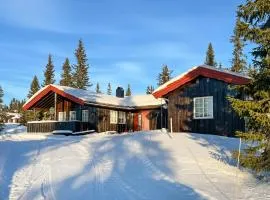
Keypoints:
(143, 165)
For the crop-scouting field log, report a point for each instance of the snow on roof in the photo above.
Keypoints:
(97, 98)
(199, 66)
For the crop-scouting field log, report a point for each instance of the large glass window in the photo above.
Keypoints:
(61, 116)
(113, 116)
(85, 115)
(122, 117)
(72, 115)
(203, 107)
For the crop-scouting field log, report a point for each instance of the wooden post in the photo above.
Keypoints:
(55, 106)
(161, 115)
(239, 151)
(171, 125)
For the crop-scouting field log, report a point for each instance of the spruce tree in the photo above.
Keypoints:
(49, 72)
(98, 89)
(210, 56)
(254, 27)
(150, 89)
(238, 61)
(66, 77)
(128, 91)
(109, 89)
(164, 76)
(80, 75)
(34, 87)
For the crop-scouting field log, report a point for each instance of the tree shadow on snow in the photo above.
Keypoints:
(219, 147)
(133, 166)
(15, 155)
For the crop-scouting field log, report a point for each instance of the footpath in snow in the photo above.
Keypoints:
(143, 165)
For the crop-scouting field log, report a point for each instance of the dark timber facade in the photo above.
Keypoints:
(68, 112)
(198, 101)
(181, 108)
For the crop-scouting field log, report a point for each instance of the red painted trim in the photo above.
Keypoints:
(44, 92)
(201, 71)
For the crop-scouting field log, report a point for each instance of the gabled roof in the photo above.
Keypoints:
(201, 70)
(83, 97)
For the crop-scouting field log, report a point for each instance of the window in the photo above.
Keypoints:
(113, 117)
(122, 117)
(203, 107)
(72, 115)
(85, 115)
(61, 116)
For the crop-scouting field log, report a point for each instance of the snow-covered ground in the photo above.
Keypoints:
(148, 165)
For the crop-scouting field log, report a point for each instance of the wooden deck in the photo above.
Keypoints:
(50, 126)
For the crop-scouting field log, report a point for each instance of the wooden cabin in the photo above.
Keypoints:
(67, 108)
(197, 101)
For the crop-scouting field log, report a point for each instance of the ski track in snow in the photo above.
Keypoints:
(97, 173)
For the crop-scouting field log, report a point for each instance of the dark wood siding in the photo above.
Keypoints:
(98, 117)
(180, 108)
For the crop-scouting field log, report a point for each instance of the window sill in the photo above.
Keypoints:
(203, 117)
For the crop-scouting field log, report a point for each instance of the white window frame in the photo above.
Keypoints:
(122, 117)
(113, 116)
(85, 115)
(207, 111)
(62, 116)
(72, 115)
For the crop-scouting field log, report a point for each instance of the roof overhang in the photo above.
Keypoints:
(43, 92)
(225, 76)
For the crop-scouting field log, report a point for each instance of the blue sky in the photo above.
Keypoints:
(127, 41)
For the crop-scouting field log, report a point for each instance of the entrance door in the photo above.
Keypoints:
(137, 123)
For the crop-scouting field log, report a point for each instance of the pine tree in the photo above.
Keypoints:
(164, 76)
(210, 56)
(2, 112)
(238, 61)
(34, 87)
(254, 27)
(150, 89)
(49, 72)
(98, 88)
(109, 89)
(128, 91)
(66, 77)
(80, 75)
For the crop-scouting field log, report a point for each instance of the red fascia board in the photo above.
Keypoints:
(46, 91)
(200, 71)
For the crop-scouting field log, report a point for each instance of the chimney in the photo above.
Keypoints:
(120, 92)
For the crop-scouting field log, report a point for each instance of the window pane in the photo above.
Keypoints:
(113, 117)
(85, 115)
(203, 107)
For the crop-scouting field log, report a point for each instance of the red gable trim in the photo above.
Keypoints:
(201, 71)
(46, 91)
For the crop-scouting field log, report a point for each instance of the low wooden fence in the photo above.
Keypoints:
(50, 126)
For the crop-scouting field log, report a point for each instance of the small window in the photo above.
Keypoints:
(203, 107)
(122, 117)
(61, 116)
(85, 115)
(113, 117)
(72, 115)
